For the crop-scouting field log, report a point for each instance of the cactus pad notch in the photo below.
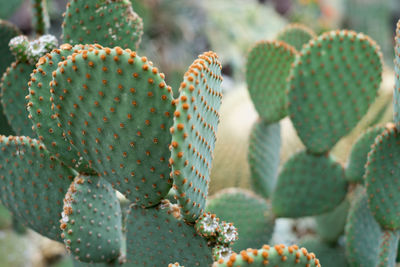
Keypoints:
(194, 133)
(296, 35)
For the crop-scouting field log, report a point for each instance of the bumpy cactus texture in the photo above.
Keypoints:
(333, 82)
(388, 249)
(396, 95)
(196, 121)
(296, 35)
(267, 71)
(115, 107)
(107, 22)
(308, 185)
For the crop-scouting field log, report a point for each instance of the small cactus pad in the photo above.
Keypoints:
(14, 88)
(41, 114)
(221, 252)
(267, 70)
(382, 178)
(264, 156)
(251, 215)
(194, 133)
(115, 107)
(362, 233)
(388, 249)
(359, 154)
(92, 220)
(106, 22)
(33, 184)
(276, 256)
(18, 47)
(333, 82)
(7, 32)
(40, 16)
(207, 225)
(40, 47)
(308, 185)
(396, 96)
(296, 35)
(156, 237)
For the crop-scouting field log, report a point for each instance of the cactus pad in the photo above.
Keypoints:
(40, 17)
(92, 220)
(317, 182)
(109, 23)
(194, 133)
(396, 96)
(333, 83)
(155, 237)
(33, 184)
(267, 70)
(359, 154)
(251, 215)
(296, 35)
(382, 178)
(388, 249)
(264, 156)
(277, 256)
(7, 32)
(115, 107)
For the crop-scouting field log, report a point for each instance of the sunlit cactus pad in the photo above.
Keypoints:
(264, 156)
(332, 85)
(267, 70)
(106, 22)
(33, 184)
(308, 185)
(194, 133)
(116, 109)
(296, 35)
(251, 215)
(382, 178)
(276, 256)
(158, 236)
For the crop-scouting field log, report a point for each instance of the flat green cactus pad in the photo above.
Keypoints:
(396, 95)
(308, 185)
(267, 71)
(333, 83)
(359, 154)
(14, 88)
(328, 256)
(33, 184)
(277, 256)
(115, 107)
(194, 133)
(92, 220)
(264, 157)
(388, 249)
(382, 178)
(41, 114)
(155, 237)
(109, 23)
(251, 215)
(362, 233)
(296, 35)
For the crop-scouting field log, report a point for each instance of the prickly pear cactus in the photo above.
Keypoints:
(7, 32)
(296, 35)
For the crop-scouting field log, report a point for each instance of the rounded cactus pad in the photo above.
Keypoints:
(7, 32)
(251, 215)
(92, 220)
(333, 82)
(296, 35)
(396, 95)
(116, 109)
(382, 178)
(194, 133)
(106, 22)
(33, 184)
(267, 70)
(14, 88)
(41, 114)
(359, 154)
(309, 185)
(276, 256)
(158, 236)
(264, 156)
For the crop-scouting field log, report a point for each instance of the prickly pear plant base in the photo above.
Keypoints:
(268, 67)
(333, 82)
(194, 133)
(308, 185)
(277, 256)
(296, 35)
(107, 22)
(116, 109)
(33, 184)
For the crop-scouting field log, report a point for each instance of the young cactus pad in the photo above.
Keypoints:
(267, 69)
(194, 133)
(115, 107)
(333, 82)
(296, 35)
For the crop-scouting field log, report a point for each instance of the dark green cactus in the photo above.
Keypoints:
(40, 17)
